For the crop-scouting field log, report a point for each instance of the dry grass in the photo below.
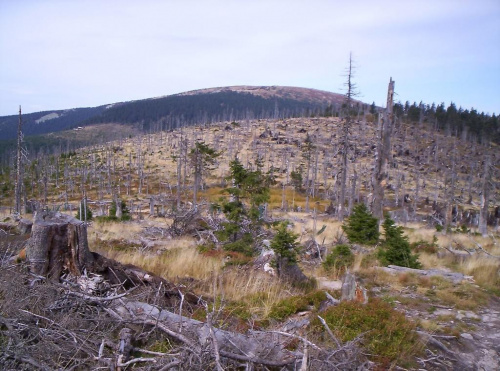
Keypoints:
(4, 213)
(464, 296)
(114, 231)
(256, 289)
(485, 270)
(429, 325)
(419, 232)
(173, 264)
(378, 277)
(303, 225)
(432, 261)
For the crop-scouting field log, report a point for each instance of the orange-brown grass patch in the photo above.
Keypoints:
(294, 199)
(212, 194)
(114, 231)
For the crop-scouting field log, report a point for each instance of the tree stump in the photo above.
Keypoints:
(352, 290)
(58, 243)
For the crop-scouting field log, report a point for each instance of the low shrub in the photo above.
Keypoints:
(294, 304)
(339, 259)
(424, 246)
(386, 333)
(244, 245)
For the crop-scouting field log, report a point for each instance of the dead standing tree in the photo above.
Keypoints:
(346, 124)
(202, 158)
(485, 196)
(383, 152)
(19, 165)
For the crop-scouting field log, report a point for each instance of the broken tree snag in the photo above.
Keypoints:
(352, 290)
(58, 242)
(380, 174)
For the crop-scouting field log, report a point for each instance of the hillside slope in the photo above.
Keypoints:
(167, 112)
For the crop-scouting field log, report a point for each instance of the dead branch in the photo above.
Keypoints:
(327, 328)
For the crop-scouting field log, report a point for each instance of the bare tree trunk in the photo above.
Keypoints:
(19, 179)
(345, 139)
(352, 195)
(118, 203)
(383, 152)
(451, 191)
(485, 195)
(179, 177)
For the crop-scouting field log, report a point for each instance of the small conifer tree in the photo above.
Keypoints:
(396, 247)
(125, 211)
(339, 259)
(361, 226)
(285, 246)
(249, 193)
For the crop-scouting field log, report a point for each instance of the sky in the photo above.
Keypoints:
(60, 54)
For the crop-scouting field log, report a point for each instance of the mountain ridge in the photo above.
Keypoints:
(242, 100)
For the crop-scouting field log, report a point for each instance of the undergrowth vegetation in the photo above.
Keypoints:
(339, 260)
(385, 332)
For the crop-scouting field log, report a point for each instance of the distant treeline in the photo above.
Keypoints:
(179, 110)
(66, 119)
(468, 124)
(171, 112)
(37, 146)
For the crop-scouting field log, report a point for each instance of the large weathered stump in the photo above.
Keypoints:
(58, 243)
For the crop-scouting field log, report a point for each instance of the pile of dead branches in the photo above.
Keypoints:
(70, 308)
(85, 322)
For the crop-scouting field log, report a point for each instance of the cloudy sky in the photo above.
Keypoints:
(57, 54)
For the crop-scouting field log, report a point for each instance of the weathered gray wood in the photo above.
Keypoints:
(19, 173)
(380, 174)
(455, 277)
(485, 194)
(257, 346)
(58, 242)
(24, 226)
(352, 290)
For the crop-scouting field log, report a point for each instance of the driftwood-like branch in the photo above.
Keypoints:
(451, 276)
(257, 346)
(327, 328)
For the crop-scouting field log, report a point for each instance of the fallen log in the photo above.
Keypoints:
(260, 347)
(455, 277)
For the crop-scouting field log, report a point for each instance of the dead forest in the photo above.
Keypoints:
(162, 251)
